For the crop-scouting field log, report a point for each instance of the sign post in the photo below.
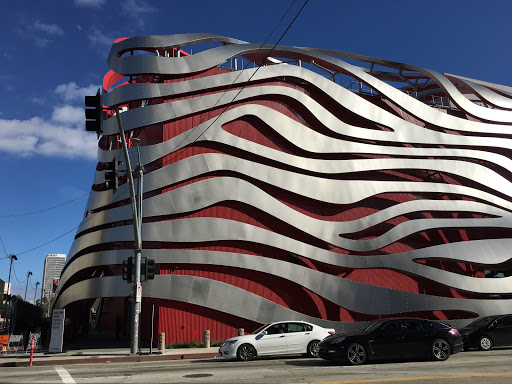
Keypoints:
(57, 334)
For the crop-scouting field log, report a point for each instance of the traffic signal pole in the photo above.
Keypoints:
(137, 225)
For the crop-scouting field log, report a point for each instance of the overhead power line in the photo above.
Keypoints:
(69, 231)
(234, 81)
(14, 272)
(46, 209)
(6, 255)
(213, 122)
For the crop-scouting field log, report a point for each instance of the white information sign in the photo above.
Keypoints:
(57, 334)
(138, 297)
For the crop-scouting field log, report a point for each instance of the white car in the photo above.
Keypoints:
(279, 338)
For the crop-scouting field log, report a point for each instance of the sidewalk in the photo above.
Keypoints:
(105, 355)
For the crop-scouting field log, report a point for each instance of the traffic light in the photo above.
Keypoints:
(94, 113)
(111, 175)
(128, 269)
(150, 269)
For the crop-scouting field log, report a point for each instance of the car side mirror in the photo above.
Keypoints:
(494, 324)
(264, 333)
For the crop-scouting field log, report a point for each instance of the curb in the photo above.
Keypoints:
(114, 359)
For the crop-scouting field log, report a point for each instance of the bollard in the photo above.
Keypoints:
(31, 349)
(240, 332)
(207, 339)
(161, 341)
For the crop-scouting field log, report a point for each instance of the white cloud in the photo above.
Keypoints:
(51, 29)
(68, 114)
(136, 9)
(41, 42)
(71, 92)
(51, 138)
(63, 135)
(40, 33)
(99, 39)
(90, 3)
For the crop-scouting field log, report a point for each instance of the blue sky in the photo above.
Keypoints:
(54, 52)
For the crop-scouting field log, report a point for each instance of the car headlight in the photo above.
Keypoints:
(227, 343)
(337, 341)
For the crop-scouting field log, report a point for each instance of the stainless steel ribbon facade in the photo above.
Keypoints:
(312, 184)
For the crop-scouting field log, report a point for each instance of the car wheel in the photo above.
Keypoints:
(485, 343)
(245, 352)
(356, 354)
(313, 348)
(440, 350)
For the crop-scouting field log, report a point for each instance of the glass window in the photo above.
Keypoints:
(393, 326)
(276, 329)
(413, 325)
(299, 327)
(484, 321)
(505, 321)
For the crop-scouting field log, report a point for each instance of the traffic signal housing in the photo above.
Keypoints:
(94, 113)
(111, 172)
(150, 269)
(128, 269)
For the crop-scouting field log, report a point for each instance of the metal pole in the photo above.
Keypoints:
(12, 257)
(140, 170)
(35, 292)
(137, 286)
(152, 321)
(26, 286)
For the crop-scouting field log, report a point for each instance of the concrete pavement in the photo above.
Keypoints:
(104, 355)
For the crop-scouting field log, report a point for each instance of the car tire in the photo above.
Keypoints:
(245, 352)
(440, 350)
(356, 354)
(313, 348)
(485, 343)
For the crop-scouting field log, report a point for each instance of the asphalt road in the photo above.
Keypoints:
(469, 367)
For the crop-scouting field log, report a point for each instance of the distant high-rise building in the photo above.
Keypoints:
(53, 265)
(5, 288)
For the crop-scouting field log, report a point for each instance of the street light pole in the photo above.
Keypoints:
(35, 292)
(26, 286)
(12, 257)
(137, 223)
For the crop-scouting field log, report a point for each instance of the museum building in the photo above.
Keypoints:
(286, 183)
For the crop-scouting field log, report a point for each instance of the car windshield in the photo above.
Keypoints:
(370, 327)
(481, 322)
(260, 329)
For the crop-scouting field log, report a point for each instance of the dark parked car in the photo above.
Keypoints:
(394, 339)
(488, 332)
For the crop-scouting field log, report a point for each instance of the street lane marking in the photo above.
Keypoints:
(64, 375)
(411, 378)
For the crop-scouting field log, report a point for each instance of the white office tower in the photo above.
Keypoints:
(53, 265)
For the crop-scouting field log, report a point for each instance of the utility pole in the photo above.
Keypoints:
(12, 257)
(35, 292)
(26, 286)
(94, 122)
(137, 225)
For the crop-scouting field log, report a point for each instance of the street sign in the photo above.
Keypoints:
(37, 339)
(138, 297)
